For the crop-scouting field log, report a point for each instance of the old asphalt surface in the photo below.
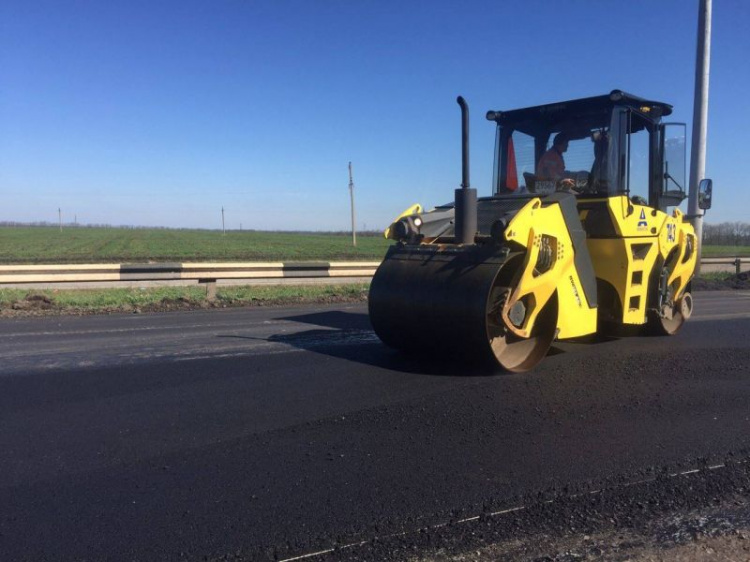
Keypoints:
(251, 434)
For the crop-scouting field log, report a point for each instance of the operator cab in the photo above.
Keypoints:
(617, 145)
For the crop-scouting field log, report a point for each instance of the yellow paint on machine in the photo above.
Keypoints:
(533, 226)
(646, 240)
(413, 210)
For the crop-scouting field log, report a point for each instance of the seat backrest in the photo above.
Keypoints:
(597, 184)
(530, 180)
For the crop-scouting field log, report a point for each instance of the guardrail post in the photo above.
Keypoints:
(210, 288)
(737, 264)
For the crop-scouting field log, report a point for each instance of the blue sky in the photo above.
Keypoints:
(160, 113)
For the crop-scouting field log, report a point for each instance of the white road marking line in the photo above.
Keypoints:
(494, 514)
(176, 327)
(240, 354)
(309, 555)
(109, 331)
(728, 316)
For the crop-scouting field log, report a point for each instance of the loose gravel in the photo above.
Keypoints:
(701, 515)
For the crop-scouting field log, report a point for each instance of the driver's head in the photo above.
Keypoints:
(560, 142)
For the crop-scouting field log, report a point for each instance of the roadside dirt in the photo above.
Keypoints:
(710, 535)
(42, 305)
(740, 282)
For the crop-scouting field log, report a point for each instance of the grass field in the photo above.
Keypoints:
(20, 245)
(726, 251)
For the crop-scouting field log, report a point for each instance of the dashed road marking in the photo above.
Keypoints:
(492, 514)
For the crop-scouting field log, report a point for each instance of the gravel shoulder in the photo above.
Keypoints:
(696, 515)
(16, 303)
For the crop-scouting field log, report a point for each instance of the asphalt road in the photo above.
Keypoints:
(273, 433)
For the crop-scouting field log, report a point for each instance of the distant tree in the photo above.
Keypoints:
(727, 234)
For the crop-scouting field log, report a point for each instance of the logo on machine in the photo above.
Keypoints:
(642, 222)
(575, 291)
(671, 232)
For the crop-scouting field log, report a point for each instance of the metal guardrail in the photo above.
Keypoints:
(203, 273)
(209, 273)
(736, 262)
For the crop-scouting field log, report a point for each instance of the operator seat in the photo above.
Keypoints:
(598, 184)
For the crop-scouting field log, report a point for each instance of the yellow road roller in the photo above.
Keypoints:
(582, 234)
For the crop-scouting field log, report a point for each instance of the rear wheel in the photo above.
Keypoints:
(670, 314)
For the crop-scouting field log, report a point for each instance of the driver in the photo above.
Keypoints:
(552, 164)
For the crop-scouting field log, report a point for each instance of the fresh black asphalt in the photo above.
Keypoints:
(271, 433)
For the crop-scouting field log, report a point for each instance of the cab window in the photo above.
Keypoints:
(639, 143)
(515, 152)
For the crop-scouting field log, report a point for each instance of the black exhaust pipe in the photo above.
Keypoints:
(466, 197)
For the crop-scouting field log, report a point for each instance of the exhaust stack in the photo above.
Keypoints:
(465, 196)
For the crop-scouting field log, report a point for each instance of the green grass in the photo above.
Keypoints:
(19, 245)
(725, 251)
(23, 301)
(22, 245)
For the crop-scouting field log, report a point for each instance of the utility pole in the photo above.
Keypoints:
(223, 231)
(59, 217)
(700, 120)
(351, 193)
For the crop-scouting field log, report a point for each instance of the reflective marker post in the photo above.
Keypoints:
(351, 193)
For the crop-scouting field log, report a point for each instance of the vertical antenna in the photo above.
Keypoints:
(351, 193)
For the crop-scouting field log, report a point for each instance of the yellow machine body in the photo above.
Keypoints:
(646, 240)
(533, 228)
(501, 277)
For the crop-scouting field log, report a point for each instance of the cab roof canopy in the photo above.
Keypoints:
(541, 120)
